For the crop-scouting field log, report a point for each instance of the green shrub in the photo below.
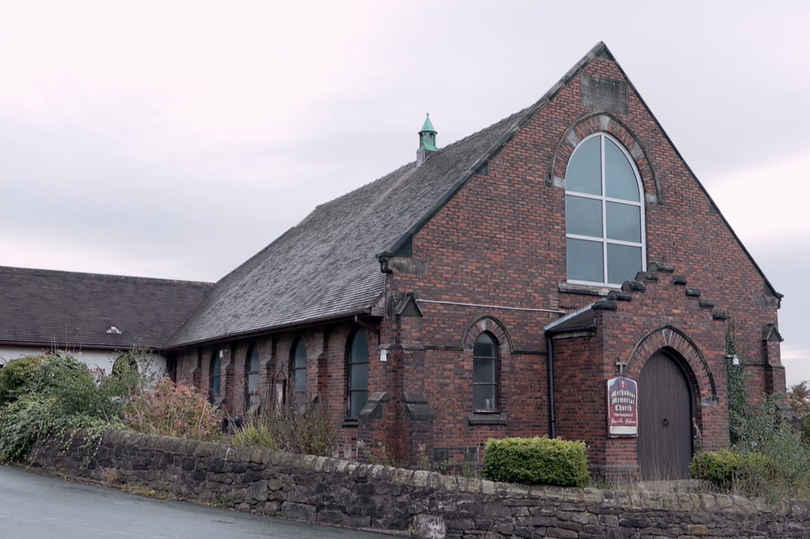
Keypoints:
(719, 468)
(304, 430)
(16, 377)
(48, 395)
(176, 410)
(536, 461)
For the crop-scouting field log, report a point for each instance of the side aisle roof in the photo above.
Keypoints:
(75, 311)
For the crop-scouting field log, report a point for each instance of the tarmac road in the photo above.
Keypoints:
(34, 506)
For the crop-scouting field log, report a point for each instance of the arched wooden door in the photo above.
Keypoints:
(665, 420)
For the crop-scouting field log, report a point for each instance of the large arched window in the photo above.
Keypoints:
(604, 214)
(358, 373)
(485, 374)
(252, 377)
(298, 371)
(215, 375)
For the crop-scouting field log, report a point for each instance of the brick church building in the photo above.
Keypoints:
(495, 287)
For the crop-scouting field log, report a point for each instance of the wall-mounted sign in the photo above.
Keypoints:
(622, 407)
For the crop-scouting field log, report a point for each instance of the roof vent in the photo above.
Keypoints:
(427, 142)
(114, 330)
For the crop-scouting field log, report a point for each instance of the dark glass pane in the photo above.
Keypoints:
(583, 216)
(359, 348)
(300, 381)
(484, 397)
(484, 346)
(216, 368)
(623, 222)
(357, 401)
(623, 263)
(359, 376)
(584, 259)
(300, 356)
(253, 363)
(584, 173)
(620, 179)
(484, 370)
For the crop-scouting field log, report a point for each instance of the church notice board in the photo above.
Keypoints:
(622, 407)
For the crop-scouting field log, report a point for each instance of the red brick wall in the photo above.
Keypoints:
(501, 241)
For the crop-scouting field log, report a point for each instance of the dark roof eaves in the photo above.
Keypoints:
(530, 113)
(694, 176)
(271, 329)
(75, 346)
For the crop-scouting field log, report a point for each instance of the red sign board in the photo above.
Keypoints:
(622, 407)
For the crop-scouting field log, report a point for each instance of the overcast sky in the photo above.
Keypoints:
(175, 139)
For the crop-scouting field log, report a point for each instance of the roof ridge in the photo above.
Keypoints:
(104, 276)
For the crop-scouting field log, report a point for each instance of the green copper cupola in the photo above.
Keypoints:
(427, 142)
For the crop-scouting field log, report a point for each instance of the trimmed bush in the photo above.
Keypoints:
(719, 469)
(536, 461)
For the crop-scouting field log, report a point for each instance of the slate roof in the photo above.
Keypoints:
(73, 311)
(326, 267)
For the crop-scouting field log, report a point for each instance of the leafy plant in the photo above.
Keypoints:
(718, 468)
(798, 398)
(176, 410)
(294, 429)
(48, 395)
(536, 461)
(16, 377)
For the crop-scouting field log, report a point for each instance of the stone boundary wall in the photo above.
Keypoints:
(427, 504)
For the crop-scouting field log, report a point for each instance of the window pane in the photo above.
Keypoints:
(584, 173)
(620, 180)
(300, 356)
(623, 222)
(253, 383)
(359, 348)
(359, 376)
(484, 397)
(584, 259)
(358, 400)
(254, 360)
(583, 216)
(484, 346)
(300, 381)
(623, 263)
(484, 370)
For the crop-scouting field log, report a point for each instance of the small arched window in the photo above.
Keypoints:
(358, 373)
(252, 377)
(124, 364)
(485, 374)
(604, 214)
(215, 375)
(298, 371)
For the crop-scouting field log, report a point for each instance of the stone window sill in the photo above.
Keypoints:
(585, 290)
(481, 418)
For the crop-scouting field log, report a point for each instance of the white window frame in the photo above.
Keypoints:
(604, 200)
